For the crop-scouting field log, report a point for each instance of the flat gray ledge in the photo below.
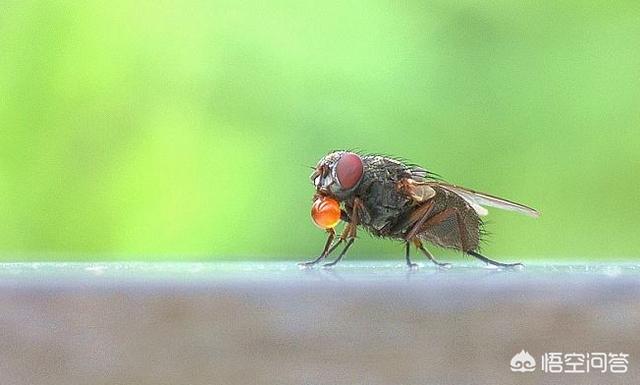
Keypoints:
(274, 323)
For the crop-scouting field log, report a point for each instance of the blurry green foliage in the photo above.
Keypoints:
(184, 130)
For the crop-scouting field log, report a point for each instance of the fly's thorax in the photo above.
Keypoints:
(378, 191)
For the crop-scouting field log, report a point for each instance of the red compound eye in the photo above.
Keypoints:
(349, 170)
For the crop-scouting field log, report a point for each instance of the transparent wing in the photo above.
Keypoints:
(479, 199)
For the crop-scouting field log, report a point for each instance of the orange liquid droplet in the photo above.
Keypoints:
(325, 212)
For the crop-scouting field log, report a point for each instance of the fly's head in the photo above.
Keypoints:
(338, 174)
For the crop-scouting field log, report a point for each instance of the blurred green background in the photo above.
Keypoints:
(185, 130)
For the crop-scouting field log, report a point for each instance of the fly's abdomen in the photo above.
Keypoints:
(453, 223)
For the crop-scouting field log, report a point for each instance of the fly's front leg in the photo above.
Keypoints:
(346, 235)
(329, 245)
(326, 251)
(349, 233)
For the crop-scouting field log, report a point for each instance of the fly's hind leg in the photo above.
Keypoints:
(492, 262)
(425, 221)
(463, 243)
(426, 252)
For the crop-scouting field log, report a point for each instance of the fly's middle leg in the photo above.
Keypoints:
(407, 250)
(348, 234)
(426, 252)
(329, 246)
(424, 220)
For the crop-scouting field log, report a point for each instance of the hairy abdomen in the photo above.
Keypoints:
(459, 226)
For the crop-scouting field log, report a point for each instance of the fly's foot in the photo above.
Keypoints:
(506, 266)
(308, 264)
(344, 251)
(514, 266)
(413, 266)
(443, 265)
(329, 265)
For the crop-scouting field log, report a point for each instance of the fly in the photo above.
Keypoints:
(392, 199)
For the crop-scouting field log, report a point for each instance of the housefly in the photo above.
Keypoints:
(393, 199)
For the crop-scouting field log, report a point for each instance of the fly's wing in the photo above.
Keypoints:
(479, 199)
(418, 174)
(414, 184)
